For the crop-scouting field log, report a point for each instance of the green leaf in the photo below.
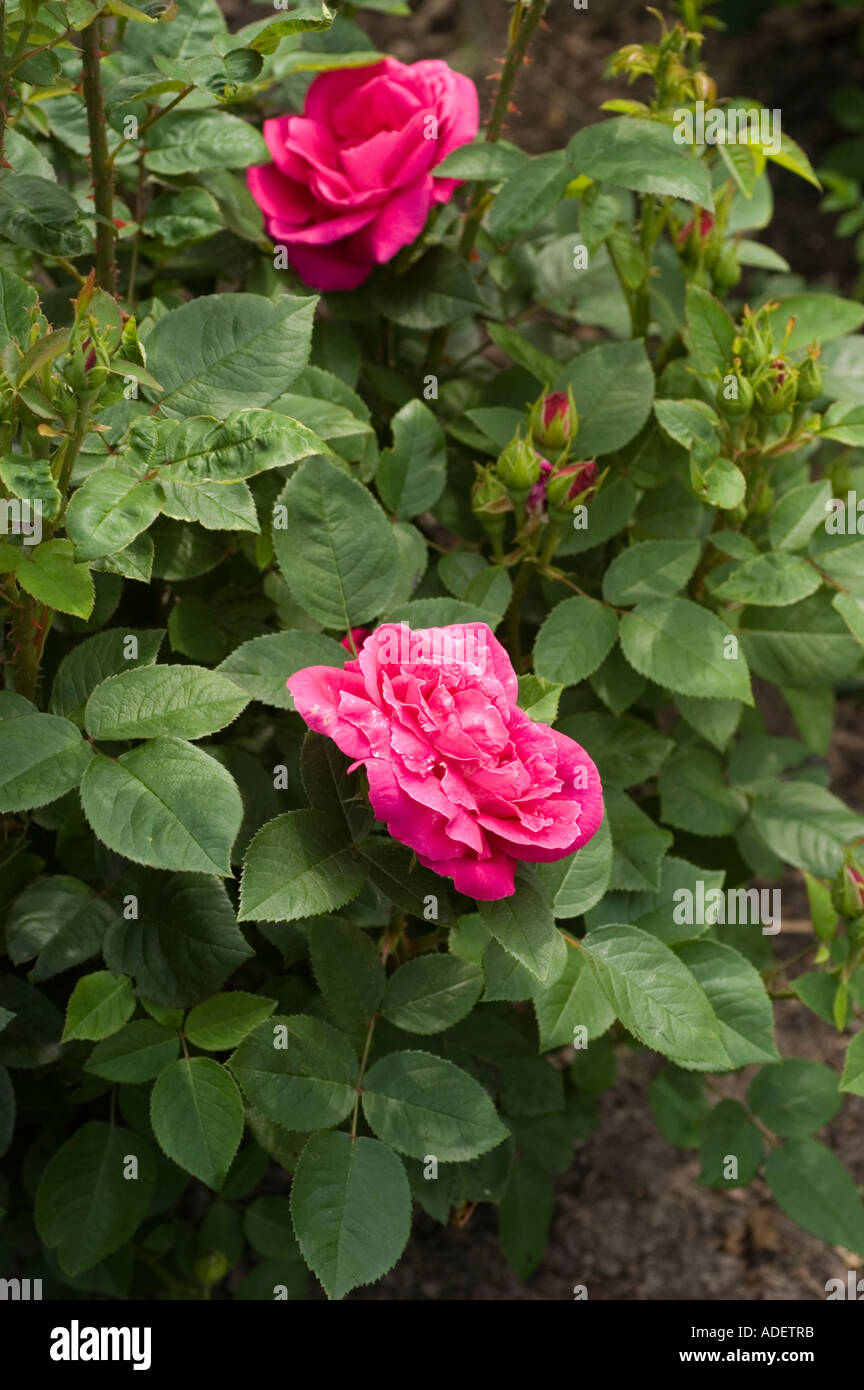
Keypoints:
(60, 921)
(97, 658)
(710, 331)
(351, 1205)
(814, 1188)
(655, 996)
(226, 352)
(851, 609)
(574, 1001)
(641, 155)
(853, 1067)
(184, 701)
(650, 569)
(722, 484)
(349, 971)
(17, 300)
(298, 865)
(40, 216)
(806, 645)
(795, 1097)
(137, 1053)
(679, 1105)
(337, 550)
(182, 946)
(694, 795)
(332, 788)
(613, 386)
(31, 478)
(297, 1071)
(525, 1217)
(108, 511)
(822, 316)
(262, 665)
(626, 750)
(729, 1134)
(688, 421)
(539, 698)
(715, 720)
(420, 1104)
(41, 758)
(165, 804)
(49, 572)
(99, 1004)
(680, 645)
(197, 140)
(437, 290)
(523, 924)
(797, 515)
(269, 1229)
(246, 443)
(395, 872)
(529, 195)
(86, 1206)
(573, 641)
(738, 996)
(523, 352)
(221, 1023)
(638, 844)
(481, 160)
(197, 1115)
(772, 580)
(410, 477)
(575, 884)
(215, 506)
(805, 825)
(431, 993)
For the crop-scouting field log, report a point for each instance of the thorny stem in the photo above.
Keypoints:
(103, 173)
(523, 25)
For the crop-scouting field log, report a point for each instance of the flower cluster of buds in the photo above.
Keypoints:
(523, 481)
(767, 381)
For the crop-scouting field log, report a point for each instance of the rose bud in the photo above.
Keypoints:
(849, 890)
(569, 486)
(706, 226)
(777, 391)
(490, 503)
(358, 636)
(810, 376)
(518, 468)
(555, 420)
(742, 402)
(537, 495)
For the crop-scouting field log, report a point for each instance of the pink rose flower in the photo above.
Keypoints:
(351, 181)
(456, 770)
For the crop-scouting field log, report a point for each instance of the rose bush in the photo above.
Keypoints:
(317, 954)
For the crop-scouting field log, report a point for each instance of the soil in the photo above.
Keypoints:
(631, 1222)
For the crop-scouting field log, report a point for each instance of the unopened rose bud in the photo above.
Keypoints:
(490, 503)
(518, 468)
(555, 420)
(706, 227)
(810, 377)
(705, 88)
(727, 269)
(777, 391)
(537, 495)
(358, 636)
(849, 889)
(569, 486)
